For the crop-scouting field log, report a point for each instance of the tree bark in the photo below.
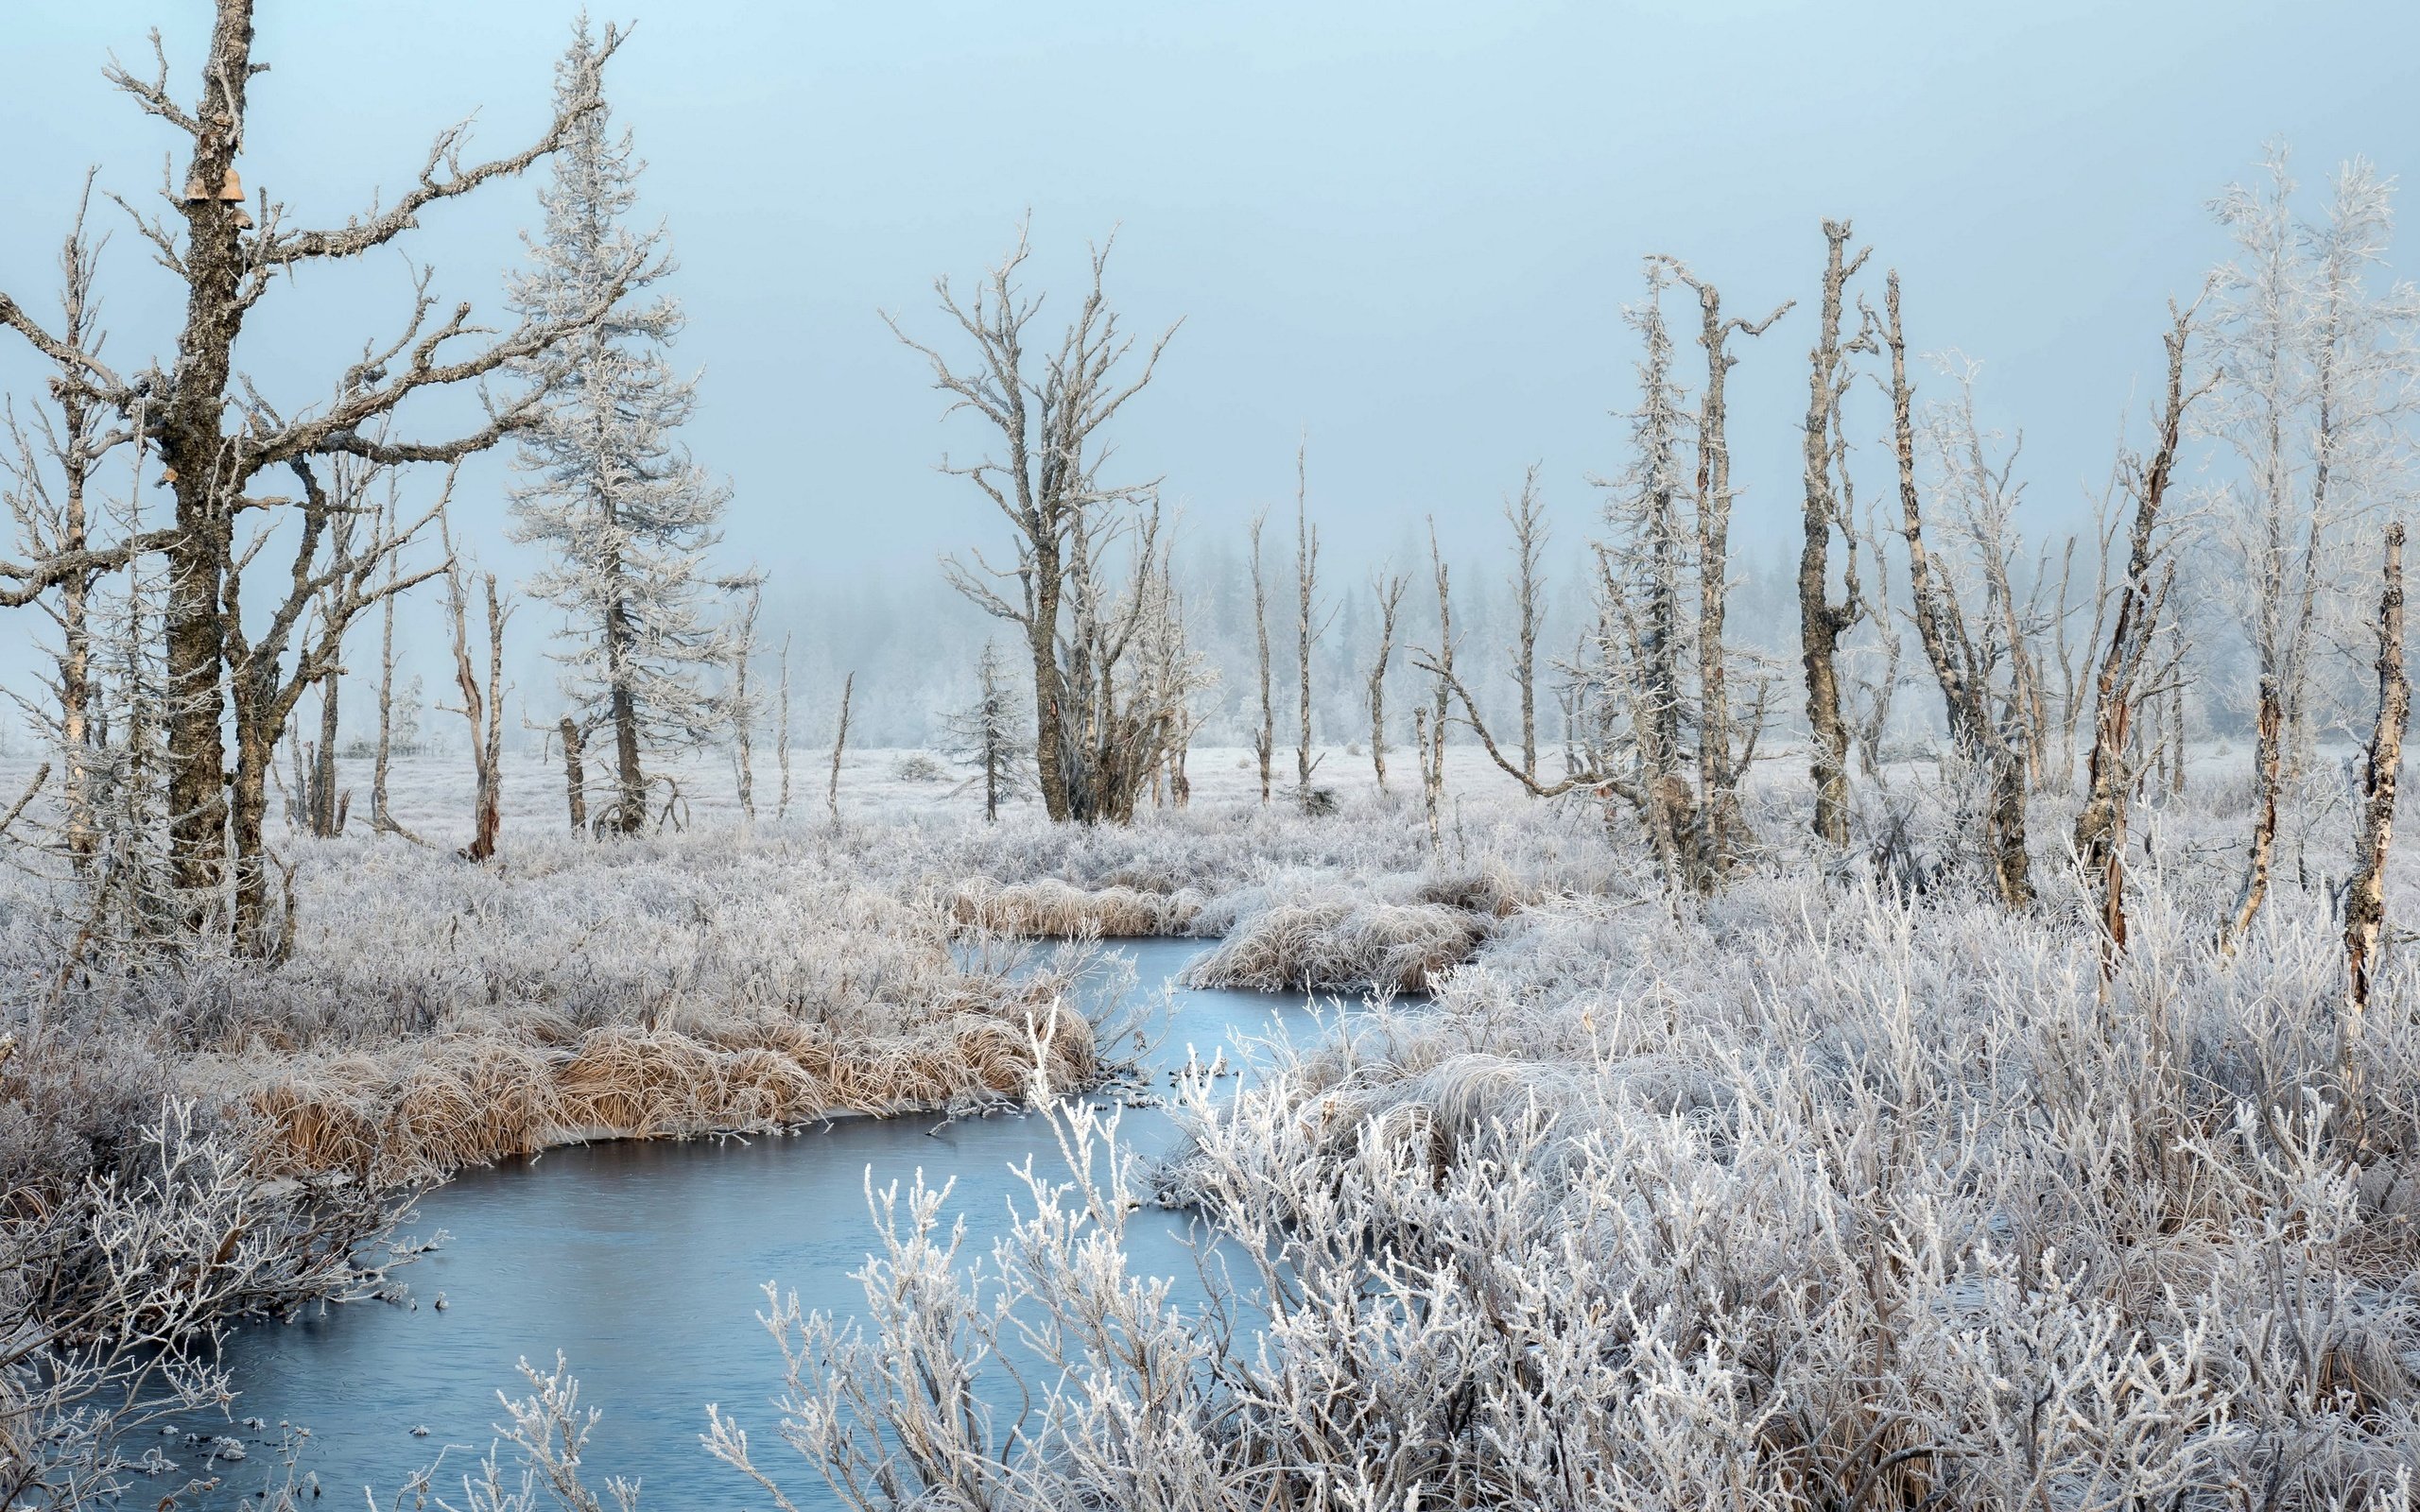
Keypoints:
(1265, 743)
(2101, 824)
(1528, 517)
(1306, 568)
(839, 744)
(1387, 592)
(575, 775)
(2365, 893)
(1948, 646)
(1821, 623)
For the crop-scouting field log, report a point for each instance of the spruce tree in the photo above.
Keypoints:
(610, 491)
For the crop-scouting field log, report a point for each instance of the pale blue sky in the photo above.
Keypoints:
(1408, 227)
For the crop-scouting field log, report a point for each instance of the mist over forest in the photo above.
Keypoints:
(918, 758)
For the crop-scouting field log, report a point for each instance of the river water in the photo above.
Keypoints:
(642, 1262)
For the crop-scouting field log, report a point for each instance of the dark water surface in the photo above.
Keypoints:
(643, 1264)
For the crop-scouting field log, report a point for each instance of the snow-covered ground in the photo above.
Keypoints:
(430, 793)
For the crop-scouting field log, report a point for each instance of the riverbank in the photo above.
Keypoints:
(1845, 1178)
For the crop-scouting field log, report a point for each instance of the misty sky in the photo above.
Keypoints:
(1408, 228)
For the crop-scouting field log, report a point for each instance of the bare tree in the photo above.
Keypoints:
(1720, 767)
(839, 744)
(482, 706)
(1097, 736)
(782, 733)
(56, 527)
(1433, 775)
(1308, 628)
(1988, 724)
(2119, 685)
(743, 709)
(1265, 741)
(216, 432)
(1386, 593)
(575, 773)
(1526, 513)
(2318, 374)
(1821, 623)
(1628, 697)
(339, 570)
(381, 820)
(2365, 893)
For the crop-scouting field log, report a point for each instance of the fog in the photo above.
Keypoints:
(1402, 233)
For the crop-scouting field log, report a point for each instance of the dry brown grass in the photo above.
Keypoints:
(422, 1111)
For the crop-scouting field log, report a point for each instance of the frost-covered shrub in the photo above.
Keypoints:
(1819, 1198)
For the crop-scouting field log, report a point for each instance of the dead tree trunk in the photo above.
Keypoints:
(482, 707)
(2268, 762)
(1821, 623)
(2101, 824)
(1306, 632)
(1045, 483)
(381, 821)
(743, 712)
(839, 744)
(1527, 515)
(1388, 593)
(2365, 894)
(1718, 767)
(1975, 731)
(782, 733)
(1433, 775)
(1265, 742)
(575, 775)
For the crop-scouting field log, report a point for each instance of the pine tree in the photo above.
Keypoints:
(626, 512)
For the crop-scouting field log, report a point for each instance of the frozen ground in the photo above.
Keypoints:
(1844, 1188)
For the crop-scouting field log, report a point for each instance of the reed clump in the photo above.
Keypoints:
(419, 1112)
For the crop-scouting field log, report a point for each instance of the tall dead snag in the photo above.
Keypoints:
(1386, 593)
(839, 744)
(1098, 734)
(1821, 623)
(1641, 567)
(1265, 740)
(382, 757)
(1720, 762)
(1630, 703)
(1433, 774)
(1526, 513)
(2365, 894)
(49, 480)
(482, 705)
(782, 733)
(575, 774)
(1308, 630)
(2101, 824)
(1987, 725)
(743, 709)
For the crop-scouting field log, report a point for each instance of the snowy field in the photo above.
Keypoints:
(430, 793)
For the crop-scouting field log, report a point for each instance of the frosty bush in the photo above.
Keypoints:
(1820, 1196)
